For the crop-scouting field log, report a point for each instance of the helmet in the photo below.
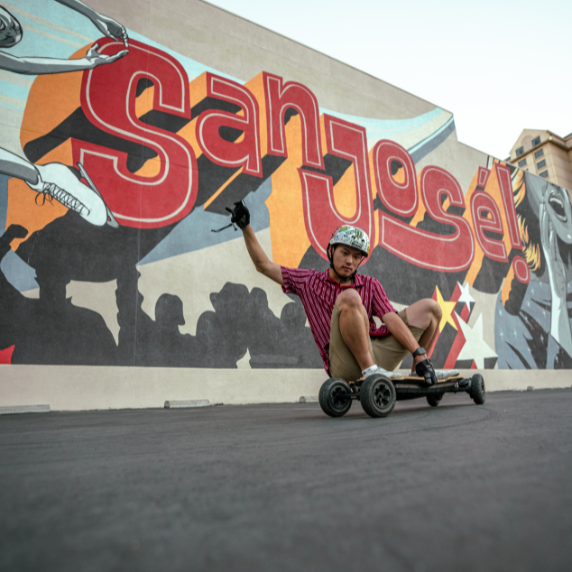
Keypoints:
(10, 29)
(351, 236)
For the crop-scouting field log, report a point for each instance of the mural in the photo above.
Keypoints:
(119, 156)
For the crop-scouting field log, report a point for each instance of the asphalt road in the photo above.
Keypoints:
(283, 487)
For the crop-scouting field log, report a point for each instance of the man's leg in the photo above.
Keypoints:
(354, 327)
(425, 314)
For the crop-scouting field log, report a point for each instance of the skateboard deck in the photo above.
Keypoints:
(415, 379)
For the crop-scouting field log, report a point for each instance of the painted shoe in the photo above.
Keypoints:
(58, 182)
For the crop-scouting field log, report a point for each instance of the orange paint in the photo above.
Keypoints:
(287, 228)
(58, 93)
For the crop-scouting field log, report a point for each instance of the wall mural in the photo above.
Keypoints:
(118, 153)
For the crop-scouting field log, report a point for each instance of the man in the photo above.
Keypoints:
(340, 305)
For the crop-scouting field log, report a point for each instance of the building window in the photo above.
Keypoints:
(541, 164)
(544, 174)
(522, 163)
(519, 151)
(539, 153)
(536, 141)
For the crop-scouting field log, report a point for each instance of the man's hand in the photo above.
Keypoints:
(240, 215)
(96, 59)
(424, 368)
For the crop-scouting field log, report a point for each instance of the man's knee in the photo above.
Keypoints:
(349, 299)
(435, 309)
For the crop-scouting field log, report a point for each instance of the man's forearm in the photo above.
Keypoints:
(41, 66)
(256, 252)
(261, 261)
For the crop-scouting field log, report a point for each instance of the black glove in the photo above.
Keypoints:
(240, 215)
(424, 368)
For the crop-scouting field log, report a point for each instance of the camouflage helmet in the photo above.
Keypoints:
(351, 236)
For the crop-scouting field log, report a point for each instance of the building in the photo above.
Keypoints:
(125, 298)
(545, 154)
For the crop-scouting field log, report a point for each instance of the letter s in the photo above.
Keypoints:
(108, 95)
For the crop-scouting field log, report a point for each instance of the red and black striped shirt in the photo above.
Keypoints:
(318, 293)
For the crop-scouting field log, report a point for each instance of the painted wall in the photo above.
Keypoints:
(115, 167)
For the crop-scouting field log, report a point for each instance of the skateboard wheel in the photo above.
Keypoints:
(377, 395)
(335, 397)
(477, 389)
(433, 399)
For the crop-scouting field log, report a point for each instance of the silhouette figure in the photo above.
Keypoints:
(222, 333)
(50, 330)
(279, 342)
(147, 342)
(300, 340)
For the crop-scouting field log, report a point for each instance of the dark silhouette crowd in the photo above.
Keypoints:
(52, 330)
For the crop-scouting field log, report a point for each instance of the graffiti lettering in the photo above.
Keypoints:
(279, 98)
(503, 175)
(399, 198)
(108, 97)
(245, 151)
(486, 217)
(446, 253)
(346, 141)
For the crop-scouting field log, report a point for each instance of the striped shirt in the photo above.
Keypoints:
(318, 293)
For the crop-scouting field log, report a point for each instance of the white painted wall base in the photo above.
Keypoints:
(75, 388)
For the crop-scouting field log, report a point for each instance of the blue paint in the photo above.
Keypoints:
(18, 273)
(14, 90)
(20, 109)
(430, 143)
(58, 15)
(194, 232)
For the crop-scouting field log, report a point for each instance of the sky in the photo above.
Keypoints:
(500, 66)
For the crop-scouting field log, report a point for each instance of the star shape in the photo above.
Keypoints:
(447, 309)
(465, 295)
(475, 347)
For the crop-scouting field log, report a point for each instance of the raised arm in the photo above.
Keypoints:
(241, 217)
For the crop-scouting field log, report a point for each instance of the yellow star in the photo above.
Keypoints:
(447, 308)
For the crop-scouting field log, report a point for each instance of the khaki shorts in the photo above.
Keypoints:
(387, 352)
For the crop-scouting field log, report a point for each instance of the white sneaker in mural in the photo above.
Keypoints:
(58, 182)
